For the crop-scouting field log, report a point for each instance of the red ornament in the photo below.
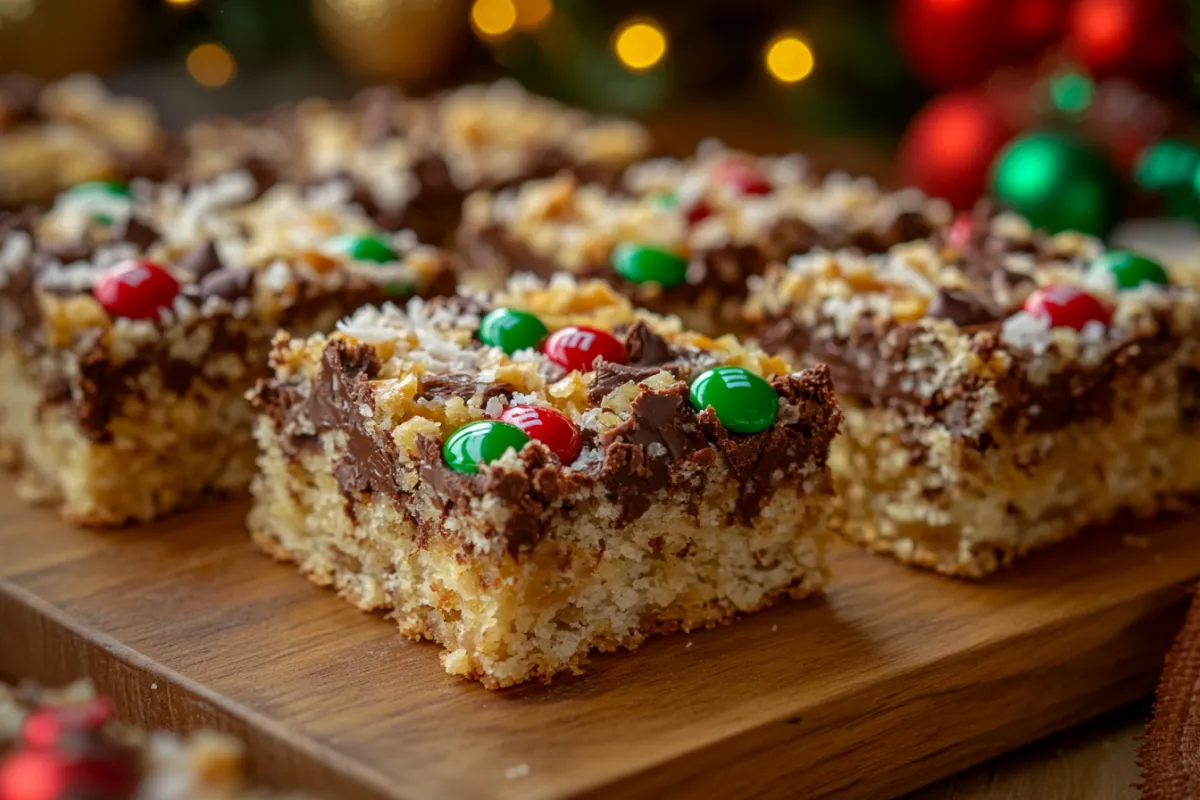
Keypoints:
(34, 775)
(950, 42)
(950, 145)
(136, 289)
(1067, 307)
(1030, 26)
(549, 427)
(740, 176)
(47, 727)
(577, 347)
(698, 212)
(1137, 39)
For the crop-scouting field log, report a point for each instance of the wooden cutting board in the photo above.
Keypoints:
(894, 679)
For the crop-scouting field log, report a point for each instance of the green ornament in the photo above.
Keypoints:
(511, 330)
(641, 263)
(1130, 270)
(1058, 182)
(1167, 165)
(743, 402)
(1072, 92)
(364, 247)
(481, 442)
(665, 200)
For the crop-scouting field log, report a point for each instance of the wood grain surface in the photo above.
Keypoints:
(893, 680)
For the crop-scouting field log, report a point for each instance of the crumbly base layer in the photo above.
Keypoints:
(586, 587)
(911, 490)
(166, 449)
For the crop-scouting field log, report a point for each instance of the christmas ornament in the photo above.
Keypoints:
(950, 43)
(742, 401)
(55, 38)
(1130, 270)
(1058, 182)
(411, 42)
(363, 247)
(136, 289)
(511, 330)
(1067, 307)
(1131, 38)
(34, 775)
(643, 263)
(551, 428)
(577, 347)
(479, 443)
(950, 146)
(1170, 170)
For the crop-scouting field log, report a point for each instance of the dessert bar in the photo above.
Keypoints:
(413, 161)
(53, 136)
(1002, 389)
(133, 320)
(529, 476)
(681, 237)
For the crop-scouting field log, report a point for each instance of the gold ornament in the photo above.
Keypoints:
(53, 38)
(411, 42)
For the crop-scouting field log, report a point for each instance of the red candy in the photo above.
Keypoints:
(549, 427)
(136, 290)
(1067, 307)
(578, 346)
(34, 775)
(961, 231)
(740, 176)
(698, 212)
(47, 727)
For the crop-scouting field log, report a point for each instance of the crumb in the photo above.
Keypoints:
(774, 629)
(516, 771)
(687, 646)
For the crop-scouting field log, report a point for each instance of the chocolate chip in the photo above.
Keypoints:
(962, 307)
(137, 233)
(644, 346)
(443, 387)
(201, 260)
(230, 283)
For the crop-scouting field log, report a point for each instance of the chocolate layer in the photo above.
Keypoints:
(665, 445)
(871, 368)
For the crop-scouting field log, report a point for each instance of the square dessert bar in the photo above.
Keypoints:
(1002, 389)
(529, 476)
(413, 161)
(132, 323)
(681, 237)
(53, 136)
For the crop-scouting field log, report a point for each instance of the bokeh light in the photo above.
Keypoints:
(180, 3)
(211, 65)
(789, 58)
(640, 44)
(494, 19)
(532, 13)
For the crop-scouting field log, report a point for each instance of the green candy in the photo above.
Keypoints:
(511, 330)
(481, 442)
(99, 189)
(742, 401)
(640, 263)
(1130, 270)
(364, 247)
(666, 200)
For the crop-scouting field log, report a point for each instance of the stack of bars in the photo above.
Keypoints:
(491, 369)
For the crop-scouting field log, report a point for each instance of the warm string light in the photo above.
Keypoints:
(180, 3)
(789, 58)
(640, 44)
(211, 65)
(494, 19)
